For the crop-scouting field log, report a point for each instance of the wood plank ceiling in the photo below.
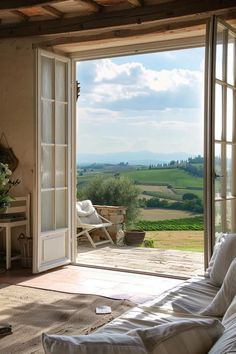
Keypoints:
(71, 25)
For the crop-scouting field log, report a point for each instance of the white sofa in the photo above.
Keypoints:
(196, 317)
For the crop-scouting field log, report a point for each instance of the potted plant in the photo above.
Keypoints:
(134, 237)
(5, 186)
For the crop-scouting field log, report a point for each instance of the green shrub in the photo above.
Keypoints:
(118, 191)
(149, 243)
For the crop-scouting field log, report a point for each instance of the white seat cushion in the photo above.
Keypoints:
(93, 344)
(224, 254)
(227, 342)
(225, 295)
(230, 314)
(185, 336)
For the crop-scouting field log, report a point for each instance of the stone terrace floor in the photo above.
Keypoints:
(159, 261)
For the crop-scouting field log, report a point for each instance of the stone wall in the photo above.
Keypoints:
(115, 214)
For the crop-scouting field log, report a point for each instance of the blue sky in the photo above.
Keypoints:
(144, 102)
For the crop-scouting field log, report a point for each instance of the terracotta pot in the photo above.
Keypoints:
(134, 237)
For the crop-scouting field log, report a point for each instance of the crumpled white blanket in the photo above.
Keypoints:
(85, 208)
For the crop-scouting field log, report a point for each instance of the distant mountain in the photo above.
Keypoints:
(133, 158)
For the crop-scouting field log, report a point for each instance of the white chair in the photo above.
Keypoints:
(17, 214)
(89, 220)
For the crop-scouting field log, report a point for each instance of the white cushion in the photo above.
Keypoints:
(93, 344)
(227, 342)
(185, 336)
(225, 253)
(213, 257)
(225, 295)
(230, 314)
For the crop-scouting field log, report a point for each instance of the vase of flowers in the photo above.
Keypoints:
(6, 185)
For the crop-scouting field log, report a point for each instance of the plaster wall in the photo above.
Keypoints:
(17, 110)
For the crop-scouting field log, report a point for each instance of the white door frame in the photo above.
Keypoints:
(211, 140)
(59, 237)
(74, 161)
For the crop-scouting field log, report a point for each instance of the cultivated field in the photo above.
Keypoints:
(175, 177)
(177, 240)
(153, 188)
(163, 214)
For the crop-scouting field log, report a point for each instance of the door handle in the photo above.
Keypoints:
(218, 176)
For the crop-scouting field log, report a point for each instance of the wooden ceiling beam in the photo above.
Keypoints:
(135, 3)
(20, 14)
(92, 3)
(119, 34)
(138, 15)
(18, 4)
(53, 11)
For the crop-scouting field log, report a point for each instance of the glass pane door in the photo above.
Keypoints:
(224, 115)
(54, 122)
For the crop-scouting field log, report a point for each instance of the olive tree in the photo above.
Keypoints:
(118, 191)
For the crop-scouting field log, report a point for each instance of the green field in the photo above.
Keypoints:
(175, 177)
(181, 191)
(177, 240)
(154, 214)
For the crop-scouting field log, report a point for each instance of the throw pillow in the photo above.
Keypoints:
(213, 257)
(225, 253)
(230, 313)
(226, 343)
(93, 344)
(185, 336)
(225, 295)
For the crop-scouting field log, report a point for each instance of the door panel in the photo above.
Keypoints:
(221, 131)
(224, 121)
(53, 162)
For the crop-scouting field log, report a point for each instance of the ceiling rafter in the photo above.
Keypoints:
(135, 3)
(121, 33)
(18, 4)
(20, 14)
(53, 11)
(92, 3)
(138, 15)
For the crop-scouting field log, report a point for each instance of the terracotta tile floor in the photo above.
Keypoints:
(119, 285)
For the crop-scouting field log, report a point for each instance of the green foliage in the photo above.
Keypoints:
(6, 185)
(149, 243)
(196, 191)
(196, 160)
(113, 191)
(194, 204)
(194, 170)
(189, 196)
(195, 224)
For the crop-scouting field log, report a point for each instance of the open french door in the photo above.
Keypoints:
(220, 131)
(53, 227)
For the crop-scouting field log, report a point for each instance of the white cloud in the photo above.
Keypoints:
(175, 125)
(99, 115)
(124, 81)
